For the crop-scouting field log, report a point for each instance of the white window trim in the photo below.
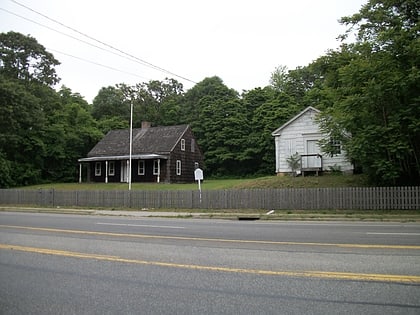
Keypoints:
(182, 144)
(155, 167)
(336, 144)
(111, 168)
(98, 169)
(141, 169)
(178, 167)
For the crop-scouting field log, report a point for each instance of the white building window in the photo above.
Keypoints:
(98, 169)
(182, 144)
(141, 168)
(178, 167)
(335, 147)
(156, 167)
(111, 170)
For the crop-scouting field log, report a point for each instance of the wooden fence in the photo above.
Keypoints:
(372, 198)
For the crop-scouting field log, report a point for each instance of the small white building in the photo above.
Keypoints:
(300, 135)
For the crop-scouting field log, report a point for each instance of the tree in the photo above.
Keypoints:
(21, 123)
(206, 107)
(377, 101)
(42, 132)
(69, 134)
(277, 108)
(279, 78)
(110, 102)
(23, 58)
(226, 131)
(158, 101)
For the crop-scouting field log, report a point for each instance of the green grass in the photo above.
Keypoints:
(213, 184)
(324, 181)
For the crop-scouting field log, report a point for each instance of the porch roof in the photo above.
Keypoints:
(124, 157)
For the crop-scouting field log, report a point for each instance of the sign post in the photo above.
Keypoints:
(198, 175)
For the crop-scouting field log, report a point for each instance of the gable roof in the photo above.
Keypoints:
(146, 141)
(277, 132)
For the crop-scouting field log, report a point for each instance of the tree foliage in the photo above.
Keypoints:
(21, 123)
(23, 58)
(42, 132)
(377, 98)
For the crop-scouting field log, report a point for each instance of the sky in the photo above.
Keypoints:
(240, 41)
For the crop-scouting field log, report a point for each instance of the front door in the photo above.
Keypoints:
(124, 172)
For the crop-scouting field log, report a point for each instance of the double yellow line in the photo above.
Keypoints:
(307, 274)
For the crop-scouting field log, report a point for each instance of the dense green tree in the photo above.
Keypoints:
(226, 132)
(111, 108)
(110, 102)
(42, 132)
(69, 134)
(207, 107)
(26, 74)
(21, 123)
(6, 172)
(200, 95)
(23, 58)
(275, 107)
(377, 101)
(157, 102)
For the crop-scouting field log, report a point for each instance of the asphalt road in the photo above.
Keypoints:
(70, 264)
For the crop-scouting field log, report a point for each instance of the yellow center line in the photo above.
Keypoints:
(306, 274)
(128, 235)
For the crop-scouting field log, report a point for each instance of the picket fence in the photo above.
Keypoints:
(366, 198)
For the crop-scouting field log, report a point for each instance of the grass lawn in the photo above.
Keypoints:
(212, 184)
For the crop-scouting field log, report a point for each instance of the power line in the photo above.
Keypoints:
(96, 63)
(80, 40)
(65, 34)
(144, 62)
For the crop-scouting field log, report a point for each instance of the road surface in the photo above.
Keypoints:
(71, 264)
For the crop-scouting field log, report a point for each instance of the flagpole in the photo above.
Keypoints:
(131, 144)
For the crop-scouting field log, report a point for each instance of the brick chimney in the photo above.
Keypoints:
(146, 124)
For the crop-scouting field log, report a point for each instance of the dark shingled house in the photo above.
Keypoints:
(167, 154)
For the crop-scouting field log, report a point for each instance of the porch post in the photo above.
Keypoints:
(106, 172)
(80, 173)
(128, 174)
(158, 176)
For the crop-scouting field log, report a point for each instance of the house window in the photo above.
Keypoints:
(182, 144)
(111, 170)
(178, 167)
(335, 147)
(155, 167)
(98, 169)
(192, 145)
(141, 168)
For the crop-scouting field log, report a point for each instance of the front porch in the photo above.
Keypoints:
(311, 164)
(145, 168)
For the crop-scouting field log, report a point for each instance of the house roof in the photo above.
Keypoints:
(278, 131)
(147, 143)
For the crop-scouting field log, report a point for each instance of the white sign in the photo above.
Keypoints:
(198, 174)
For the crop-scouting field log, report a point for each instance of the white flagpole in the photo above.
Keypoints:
(131, 144)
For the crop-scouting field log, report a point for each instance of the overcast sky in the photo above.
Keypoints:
(241, 41)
